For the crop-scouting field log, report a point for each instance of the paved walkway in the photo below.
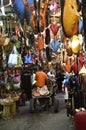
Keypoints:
(41, 120)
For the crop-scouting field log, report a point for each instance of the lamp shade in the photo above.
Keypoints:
(75, 44)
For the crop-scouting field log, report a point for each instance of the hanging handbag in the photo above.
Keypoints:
(47, 36)
(28, 59)
(20, 61)
(13, 58)
(4, 41)
(77, 67)
(16, 78)
(16, 85)
(55, 45)
(68, 66)
(54, 28)
(13, 39)
(40, 42)
(18, 44)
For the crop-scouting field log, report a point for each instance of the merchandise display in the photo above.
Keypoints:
(48, 34)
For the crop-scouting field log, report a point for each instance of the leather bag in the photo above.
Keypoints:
(4, 41)
(70, 17)
(55, 45)
(54, 28)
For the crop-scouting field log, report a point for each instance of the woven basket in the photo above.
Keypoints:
(2, 41)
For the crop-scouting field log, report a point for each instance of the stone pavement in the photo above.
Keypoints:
(41, 120)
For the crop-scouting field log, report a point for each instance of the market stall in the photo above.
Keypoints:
(40, 33)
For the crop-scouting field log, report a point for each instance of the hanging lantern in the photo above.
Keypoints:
(69, 17)
(80, 41)
(75, 44)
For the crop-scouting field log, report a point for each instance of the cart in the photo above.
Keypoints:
(45, 101)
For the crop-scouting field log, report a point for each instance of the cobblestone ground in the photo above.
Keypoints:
(41, 120)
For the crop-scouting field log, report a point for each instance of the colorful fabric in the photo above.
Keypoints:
(43, 91)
